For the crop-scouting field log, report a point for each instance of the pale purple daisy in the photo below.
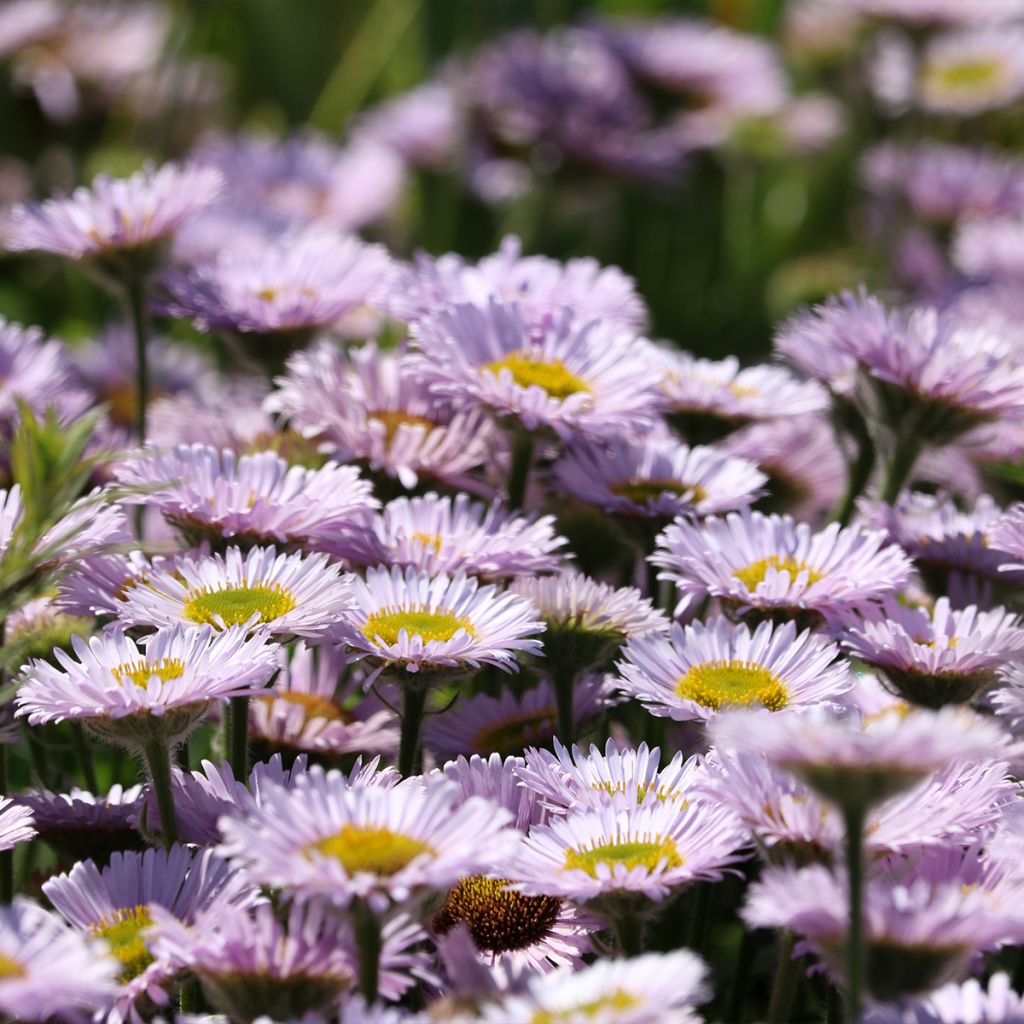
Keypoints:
(538, 286)
(940, 183)
(1008, 535)
(657, 478)
(458, 535)
(80, 824)
(967, 1002)
(216, 495)
(299, 283)
(923, 929)
(97, 584)
(730, 396)
(700, 670)
(422, 125)
(990, 248)
(365, 405)
(50, 970)
(574, 379)
(971, 71)
(17, 823)
(773, 565)
(165, 684)
(115, 904)
(938, 656)
(1008, 698)
(326, 838)
(802, 460)
(410, 621)
(567, 781)
(511, 722)
(931, 13)
(307, 179)
(310, 710)
(655, 987)
(859, 763)
(114, 215)
(287, 595)
(494, 778)
(647, 850)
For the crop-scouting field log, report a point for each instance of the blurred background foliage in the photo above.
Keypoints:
(719, 255)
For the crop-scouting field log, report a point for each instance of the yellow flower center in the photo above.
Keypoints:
(10, 969)
(620, 999)
(393, 419)
(313, 704)
(430, 625)
(731, 683)
(516, 732)
(755, 573)
(641, 491)
(643, 791)
(743, 390)
(429, 540)
(123, 930)
(499, 919)
(967, 75)
(553, 377)
(378, 851)
(644, 851)
(238, 604)
(140, 672)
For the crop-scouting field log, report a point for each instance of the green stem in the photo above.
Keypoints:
(899, 468)
(414, 702)
(84, 752)
(6, 856)
(787, 972)
(855, 952)
(653, 583)
(564, 692)
(190, 998)
(859, 472)
(519, 471)
(629, 934)
(238, 738)
(181, 756)
(366, 929)
(37, 754)
(702, 901)
(158, 759)
(139, 316)
(741, 977)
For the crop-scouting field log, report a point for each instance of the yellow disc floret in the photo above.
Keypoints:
(733, 683)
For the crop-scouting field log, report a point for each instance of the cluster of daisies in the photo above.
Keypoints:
(464, 654)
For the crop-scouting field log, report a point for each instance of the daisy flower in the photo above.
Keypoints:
(511, 722)
(306, 712)
(657, 479)
(937, 657)
(923, 931)
(17, 824)
(364, 405)
(971, 71)
(775, 566)
(858, 763)
(573, 379)
(494, 778)
(97, 585)
(131, 691)
(115, 215)
(571, 780)
(80, 824)
(326, 838)
(50, 970)
(458, 535)
(657, 986)
(700, 670)
(539, 286)
(115, 904)
(287, 288)
(965, 1002)
(644, 851)
(1007, 535)
(288, 595)
(421, 125)
(1008, 698)
(216, 495)
(931, 13)
(411, 622)
(707, 399)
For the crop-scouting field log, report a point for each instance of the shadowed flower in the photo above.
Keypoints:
(957, 1003)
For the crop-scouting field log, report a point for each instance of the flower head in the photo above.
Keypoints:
(965, 1002)
(115, 904)
(17, 824)
(124, 689)
(574, 379)
(971, 71)
(412, 621)
(698, 671)
(326, 838)
(114, 215)
(288, 595)
(775, 566)
(458, 535)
